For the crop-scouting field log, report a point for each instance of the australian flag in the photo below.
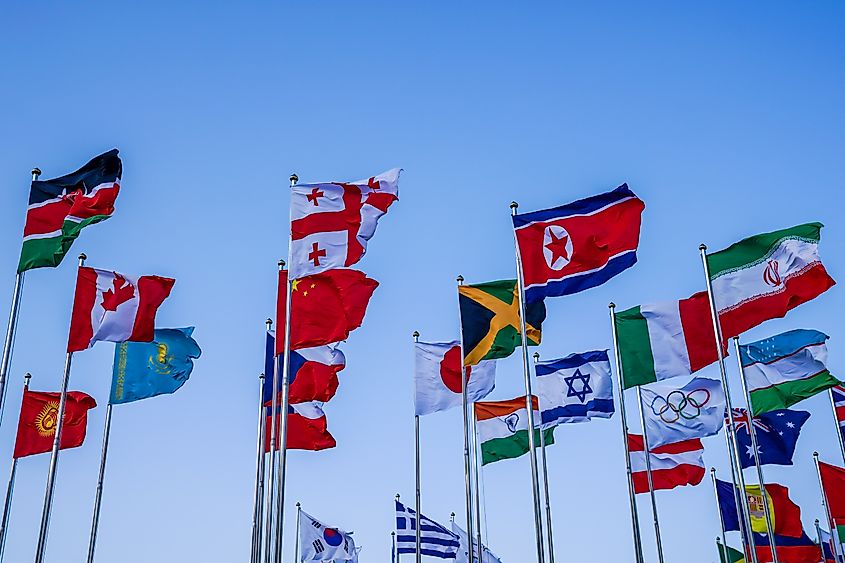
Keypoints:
(776, 431)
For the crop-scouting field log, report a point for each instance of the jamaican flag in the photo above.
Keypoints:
(490, 320)
(728, 554)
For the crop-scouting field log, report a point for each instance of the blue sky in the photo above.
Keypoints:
(726, 119)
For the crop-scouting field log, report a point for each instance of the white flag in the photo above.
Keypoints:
(681, 409)
(463, 551)
(437, 377)
(323, 543)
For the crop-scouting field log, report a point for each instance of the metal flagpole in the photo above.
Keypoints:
(529, 400)
(718, 505)
(647, 452)
(54, 456)
(11, 328)
(98, 498)
(546, 498)
(476, 470)
(733, 451)
(753, 434)
(393, 546)
(744, 522)
(467, 469)
(831, 525)
(258, 498)
(836, 422)
(283, 437)
(296, 553)
(635, 521)
(271, 480)
(10, 490)
(819, 537)
(416, 336)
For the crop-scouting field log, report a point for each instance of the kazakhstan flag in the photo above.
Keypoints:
(147, 369)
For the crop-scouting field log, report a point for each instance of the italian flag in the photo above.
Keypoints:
(833, 482)
(765, 276)
(502, 428)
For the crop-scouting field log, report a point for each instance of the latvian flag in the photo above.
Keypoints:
(577, 246)
(60, 208)
(672, 465)
(838, 394)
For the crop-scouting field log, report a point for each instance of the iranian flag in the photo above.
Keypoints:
(833, 482)
(503, 429)
(765, 276)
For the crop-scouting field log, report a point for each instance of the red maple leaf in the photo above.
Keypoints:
(123, 292)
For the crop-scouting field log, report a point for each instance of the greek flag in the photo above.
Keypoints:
(435, 540)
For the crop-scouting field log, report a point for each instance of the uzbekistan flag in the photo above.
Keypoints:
(580, 245)
(765, 276)
(672, 465)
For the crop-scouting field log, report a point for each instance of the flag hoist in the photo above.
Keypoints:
(546, 499)
(467, 460)
(837, 402)
(532, 453)
(416, 336)
(647, 452)
(258, 497)
(10, 489)
(719, 507)
(272, 468)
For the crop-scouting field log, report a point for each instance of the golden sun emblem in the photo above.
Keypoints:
(160, 361)
(45, 421)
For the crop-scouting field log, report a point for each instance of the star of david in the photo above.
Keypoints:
(585, 385)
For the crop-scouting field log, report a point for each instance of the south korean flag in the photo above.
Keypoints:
(323, 543)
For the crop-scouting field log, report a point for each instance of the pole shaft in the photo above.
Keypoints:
(635, 521)
(255, 551)
(467, 469)
(836, 423)
(733, 451)
(271, 477)
(476, 475)
(718, 506)
(830, 524)
(296, 553)
(9, 342)
(753, 435)
(418, 485)
(283, 425)
(98, 498)
(744, 530)
(647, 452)
(7, 508)
(546, 494)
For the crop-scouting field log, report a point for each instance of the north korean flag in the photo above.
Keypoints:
(312, 372)
(580, 245)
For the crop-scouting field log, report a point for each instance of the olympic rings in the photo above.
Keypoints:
(679, 405)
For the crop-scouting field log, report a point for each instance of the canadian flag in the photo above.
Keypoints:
(437, 377)
(332, 222)
(114, 307)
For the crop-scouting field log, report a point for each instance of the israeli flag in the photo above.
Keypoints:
(575, 388)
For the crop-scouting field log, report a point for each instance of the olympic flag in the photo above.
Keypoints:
(686, 408)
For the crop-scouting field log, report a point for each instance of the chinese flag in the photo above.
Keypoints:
(325, 307)
(39, 415)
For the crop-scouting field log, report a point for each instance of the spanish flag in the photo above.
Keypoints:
(490, 320)
(39, 418)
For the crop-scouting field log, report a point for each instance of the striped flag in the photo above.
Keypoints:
(673, 465)
(838, 394)
(435, 540)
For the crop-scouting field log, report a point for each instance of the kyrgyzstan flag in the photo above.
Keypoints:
(40, 415)
(307, 428)
(115, 307)
(580, 245)
(325, 308)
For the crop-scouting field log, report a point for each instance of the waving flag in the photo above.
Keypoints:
(60, 208)
(683, 409)
(786, 369)
(580, 245)
(115, 307)
(799, 549)
(785, 514)
(575, 388)
(437, 377)
(833, 483)
(312, 372)
(503, 429)
(672, 465)
(463, 553)
(307, 428)
(435, 540)
(727, 554)
(332, 222)
(324, 543)
(838, 395)
(828, 546)
(39, 416)
(776, 431)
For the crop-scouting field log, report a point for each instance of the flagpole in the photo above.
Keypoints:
(258, 497)
(10, 489)
(635, 521)
(296, 552)
(393, 546)
(744, 523)
(733, 450)
(831, 525)
(476, 472)
(529, 400)
(416, 336)
(271, 477)
(753, 434)
(545, 478)
(98, 498)
(467, 469)
(12, 327)
(54, 455)
(836, 422)
(283, 438)
(647, 452)
(819, 537)
(718, 505)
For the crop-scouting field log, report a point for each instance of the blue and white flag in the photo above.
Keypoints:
(463, 553)
(681, 409)
(575, 388)
(776, 432)
(435, 540)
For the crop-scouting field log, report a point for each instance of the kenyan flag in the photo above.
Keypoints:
(60, 208)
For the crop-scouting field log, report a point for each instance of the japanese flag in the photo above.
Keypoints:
(114, 307)
(438, 377)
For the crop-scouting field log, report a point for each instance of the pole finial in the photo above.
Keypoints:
(27, 376)
(460, 279)
(816, 455)
(82, 258)
(536, 356)
(298, 505)
(611, 305)
(817, 521)
(36, 172)
(293, 179)
(269, 323)
(281, 264)
(514, 205)
(397, 496)
(416, 334)
(702, 246)
(261, 376)
(713, 470)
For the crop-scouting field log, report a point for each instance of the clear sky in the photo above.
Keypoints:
(726, 119)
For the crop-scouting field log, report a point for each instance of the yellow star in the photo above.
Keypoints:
(294, 284)
(305, 293)
(313, 285)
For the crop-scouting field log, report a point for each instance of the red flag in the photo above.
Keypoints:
(307, 428)
(833, 481)
(39, 416)
(325, 307)
(672, 465)
(114, 307)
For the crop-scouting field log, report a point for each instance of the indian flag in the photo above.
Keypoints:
(502, 428)
(765, 276)
(786, 369)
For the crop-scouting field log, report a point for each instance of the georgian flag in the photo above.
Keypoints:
(437, 377)
(114, 307)
(324, 543)
(332, 222)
